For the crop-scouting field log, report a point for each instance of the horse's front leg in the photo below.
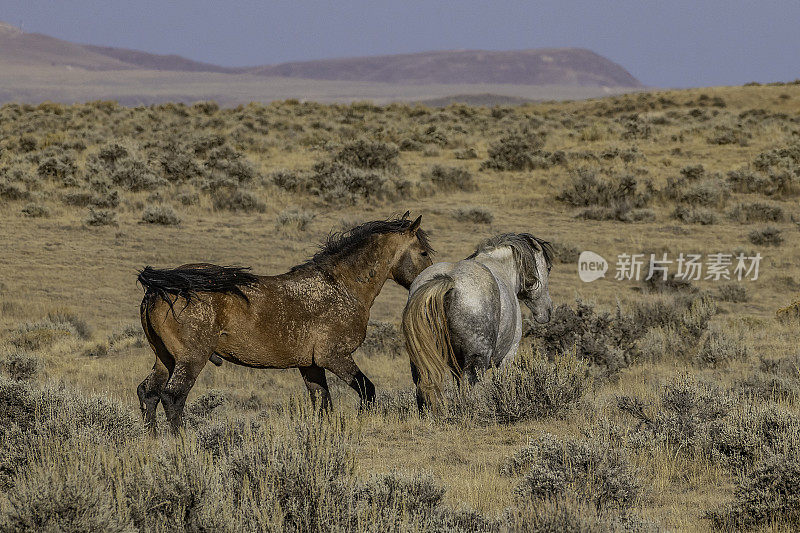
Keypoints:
(346, 369)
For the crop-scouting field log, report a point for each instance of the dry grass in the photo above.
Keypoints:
(691, 411)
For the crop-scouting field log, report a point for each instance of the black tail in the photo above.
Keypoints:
(170, 283)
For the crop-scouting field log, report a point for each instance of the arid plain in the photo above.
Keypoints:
(641, 406)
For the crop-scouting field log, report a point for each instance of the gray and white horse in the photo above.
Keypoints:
(464, 317)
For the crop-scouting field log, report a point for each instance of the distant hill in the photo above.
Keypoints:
(37, 50)
(572, 67)
(38, 68)
(149, 61)
(547, 66)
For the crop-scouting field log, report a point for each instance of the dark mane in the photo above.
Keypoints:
(338, 243)
(522, 246)
(187, 281)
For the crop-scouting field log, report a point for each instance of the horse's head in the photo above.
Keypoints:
(413, 253)
(534, 265)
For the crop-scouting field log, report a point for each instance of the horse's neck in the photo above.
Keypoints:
(501, 262)
(364, 271)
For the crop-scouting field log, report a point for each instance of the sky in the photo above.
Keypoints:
(663, 43)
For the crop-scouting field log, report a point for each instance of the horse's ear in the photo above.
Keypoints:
(415, 225)
(533, 242)
(405, 215)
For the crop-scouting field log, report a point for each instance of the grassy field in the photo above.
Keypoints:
(641, 406)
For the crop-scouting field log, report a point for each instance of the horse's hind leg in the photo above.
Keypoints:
(317, 384)
(149, 392)
(421, 404)
(174, 394)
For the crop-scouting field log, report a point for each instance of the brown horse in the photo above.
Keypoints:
(312, 317)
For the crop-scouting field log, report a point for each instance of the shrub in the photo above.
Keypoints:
(59, 168)
(305, 473)
(619, 213)
(61, 493)
(100, 217)
(516, 152)
(237, 200)
(295, 219)
(96, 350)
(475, 215)
(12, 191)
(369, 155)
(450, 178)
(727, 135)
(720, 348)
(708, 193)
(769, 236)
(410, 145)
(757, 212)
(607, 341)
(773, 183)
(20, 365)
(732, 292)
(565, 253)
(763, 386)
(693, 172)
(587, 189)
(179, 165)
(287, 180)
(336, 183)
(787, 158)
(226, 164)
(466, 153)
(383, 338)
(135, 175)
(769, 495)
(163, 215)
(531, 388)
(205, 404)
(587, 471)
(38, 335)
(693, 215)
(33, 210)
